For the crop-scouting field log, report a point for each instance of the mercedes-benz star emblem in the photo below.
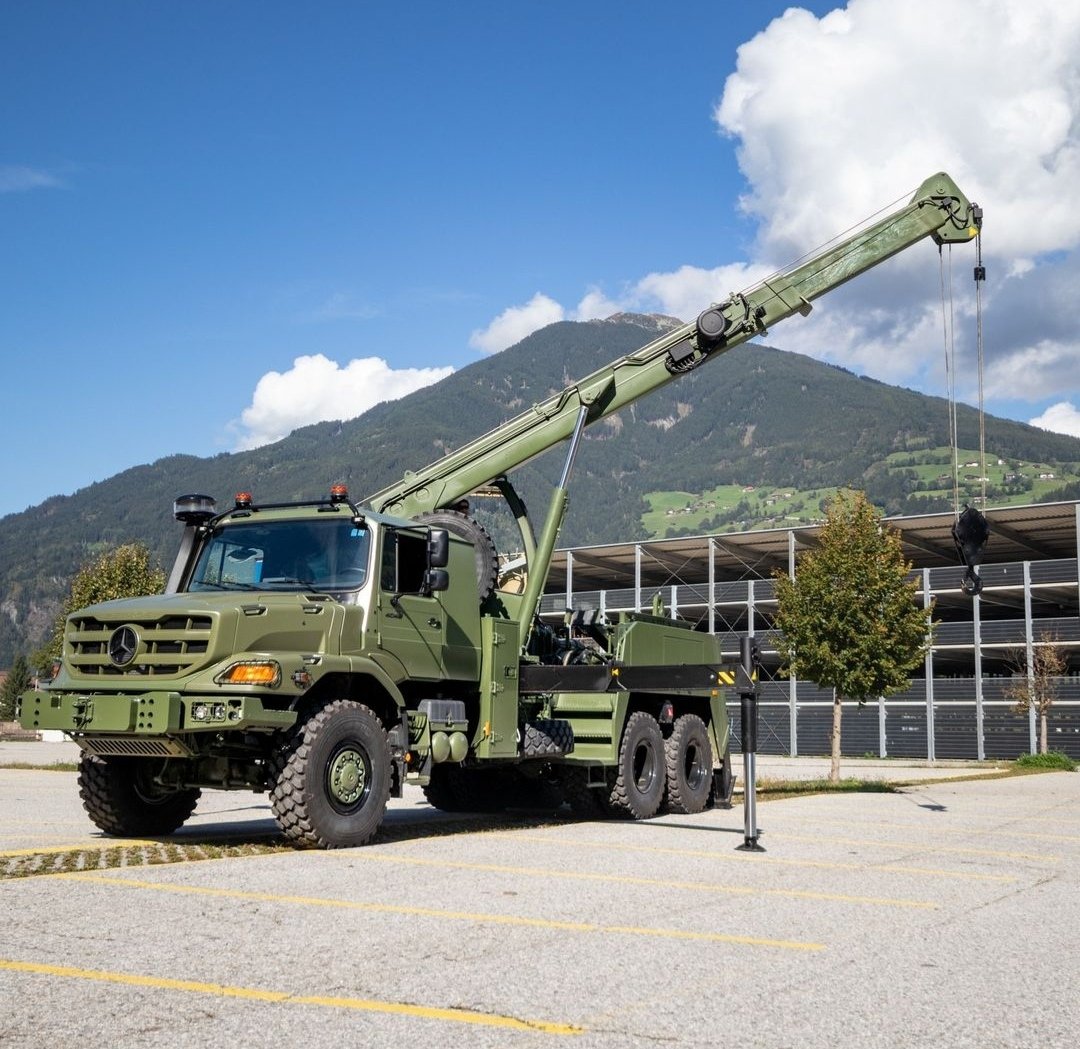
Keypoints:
(123, 645)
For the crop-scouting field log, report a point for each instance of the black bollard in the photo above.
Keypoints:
(748, 703)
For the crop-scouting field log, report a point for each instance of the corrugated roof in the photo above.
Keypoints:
(1036, 532)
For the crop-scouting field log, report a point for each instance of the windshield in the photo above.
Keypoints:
(283, 555)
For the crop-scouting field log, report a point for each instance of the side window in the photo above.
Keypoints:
(404, 561)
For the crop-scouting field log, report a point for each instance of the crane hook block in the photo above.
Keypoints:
(970, 533)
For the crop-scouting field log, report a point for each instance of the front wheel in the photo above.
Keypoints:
(332, 777)
(123, 798)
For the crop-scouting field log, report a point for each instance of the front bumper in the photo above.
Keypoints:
(148, 713)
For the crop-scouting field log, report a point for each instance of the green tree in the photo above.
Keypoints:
(18, 680)
(1038, 685)
(125, 571)
(848, 619)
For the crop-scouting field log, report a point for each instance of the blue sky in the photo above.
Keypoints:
(221, 221)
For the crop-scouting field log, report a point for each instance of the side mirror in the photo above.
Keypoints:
(436, 579)
(438, 549)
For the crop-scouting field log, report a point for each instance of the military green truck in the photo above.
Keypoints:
(330, 652)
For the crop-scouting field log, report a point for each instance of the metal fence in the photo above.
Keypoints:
(955, 724)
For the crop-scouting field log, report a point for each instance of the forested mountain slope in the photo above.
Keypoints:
(757, 416)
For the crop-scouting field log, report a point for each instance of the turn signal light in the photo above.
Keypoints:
(253, 673)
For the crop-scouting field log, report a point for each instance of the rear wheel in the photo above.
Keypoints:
(332, 777)
(689, 761)
(123, 799)
(639, 781)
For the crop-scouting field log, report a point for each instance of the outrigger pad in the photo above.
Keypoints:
(970, 534)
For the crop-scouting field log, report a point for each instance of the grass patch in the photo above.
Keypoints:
(1054, 759)
(112, 857)
(778, 789)
(29, 766)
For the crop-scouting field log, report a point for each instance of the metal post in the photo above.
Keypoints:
(748, 697)
(928, 666)
(712, 586)
(882, 750)
(1029, 653)
(977, 617)
(569, 578)
(637, 577)
(793, 684)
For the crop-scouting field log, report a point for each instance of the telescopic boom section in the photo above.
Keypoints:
(938, 210)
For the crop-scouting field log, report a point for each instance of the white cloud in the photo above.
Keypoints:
(343, 305)
(683, 293)
(317, 389)
(832, 118)
(515, 322)
(15, 178)
(835, 115)
(1063, 417)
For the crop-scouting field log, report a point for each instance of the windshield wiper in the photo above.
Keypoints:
(206, 584)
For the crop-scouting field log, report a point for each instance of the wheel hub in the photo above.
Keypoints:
(348, 776)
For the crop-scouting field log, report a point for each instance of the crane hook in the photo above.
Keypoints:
(970, 533)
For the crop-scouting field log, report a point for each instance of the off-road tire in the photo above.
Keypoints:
(443, 790)
(331, 777)
(465, 527)
(547, 738)
(456, 789)
(121, 798)
(588, 803)
(689, 760)
(638, 790)
(536, 787)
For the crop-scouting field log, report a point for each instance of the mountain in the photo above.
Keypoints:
(757, 416)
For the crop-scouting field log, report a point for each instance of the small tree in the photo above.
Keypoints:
(18, 680)
(122, 572)
(848, 619)
(1037, 689)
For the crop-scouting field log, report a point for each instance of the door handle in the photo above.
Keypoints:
(433, 622)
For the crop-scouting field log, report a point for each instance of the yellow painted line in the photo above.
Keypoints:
(426, 1012)
(730, 857)
(927, 846)
(83, 846)
(660, 883)
(430, 912)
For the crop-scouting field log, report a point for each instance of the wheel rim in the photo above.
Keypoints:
(645, 767)
(695, 767)
(348, 777)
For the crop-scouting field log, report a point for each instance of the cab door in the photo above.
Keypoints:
(411, 624)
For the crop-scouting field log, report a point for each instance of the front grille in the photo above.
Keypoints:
(126, 747)
(168, 646)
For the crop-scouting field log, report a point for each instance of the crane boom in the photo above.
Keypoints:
(938, 210)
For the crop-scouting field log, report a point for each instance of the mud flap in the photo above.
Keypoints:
(723, 783)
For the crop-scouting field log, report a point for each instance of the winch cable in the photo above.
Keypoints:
(980, 277)
(970, 529)
(950, 376)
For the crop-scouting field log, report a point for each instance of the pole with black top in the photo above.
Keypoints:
(746, 682)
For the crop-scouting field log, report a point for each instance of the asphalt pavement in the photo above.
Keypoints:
(945, 914)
